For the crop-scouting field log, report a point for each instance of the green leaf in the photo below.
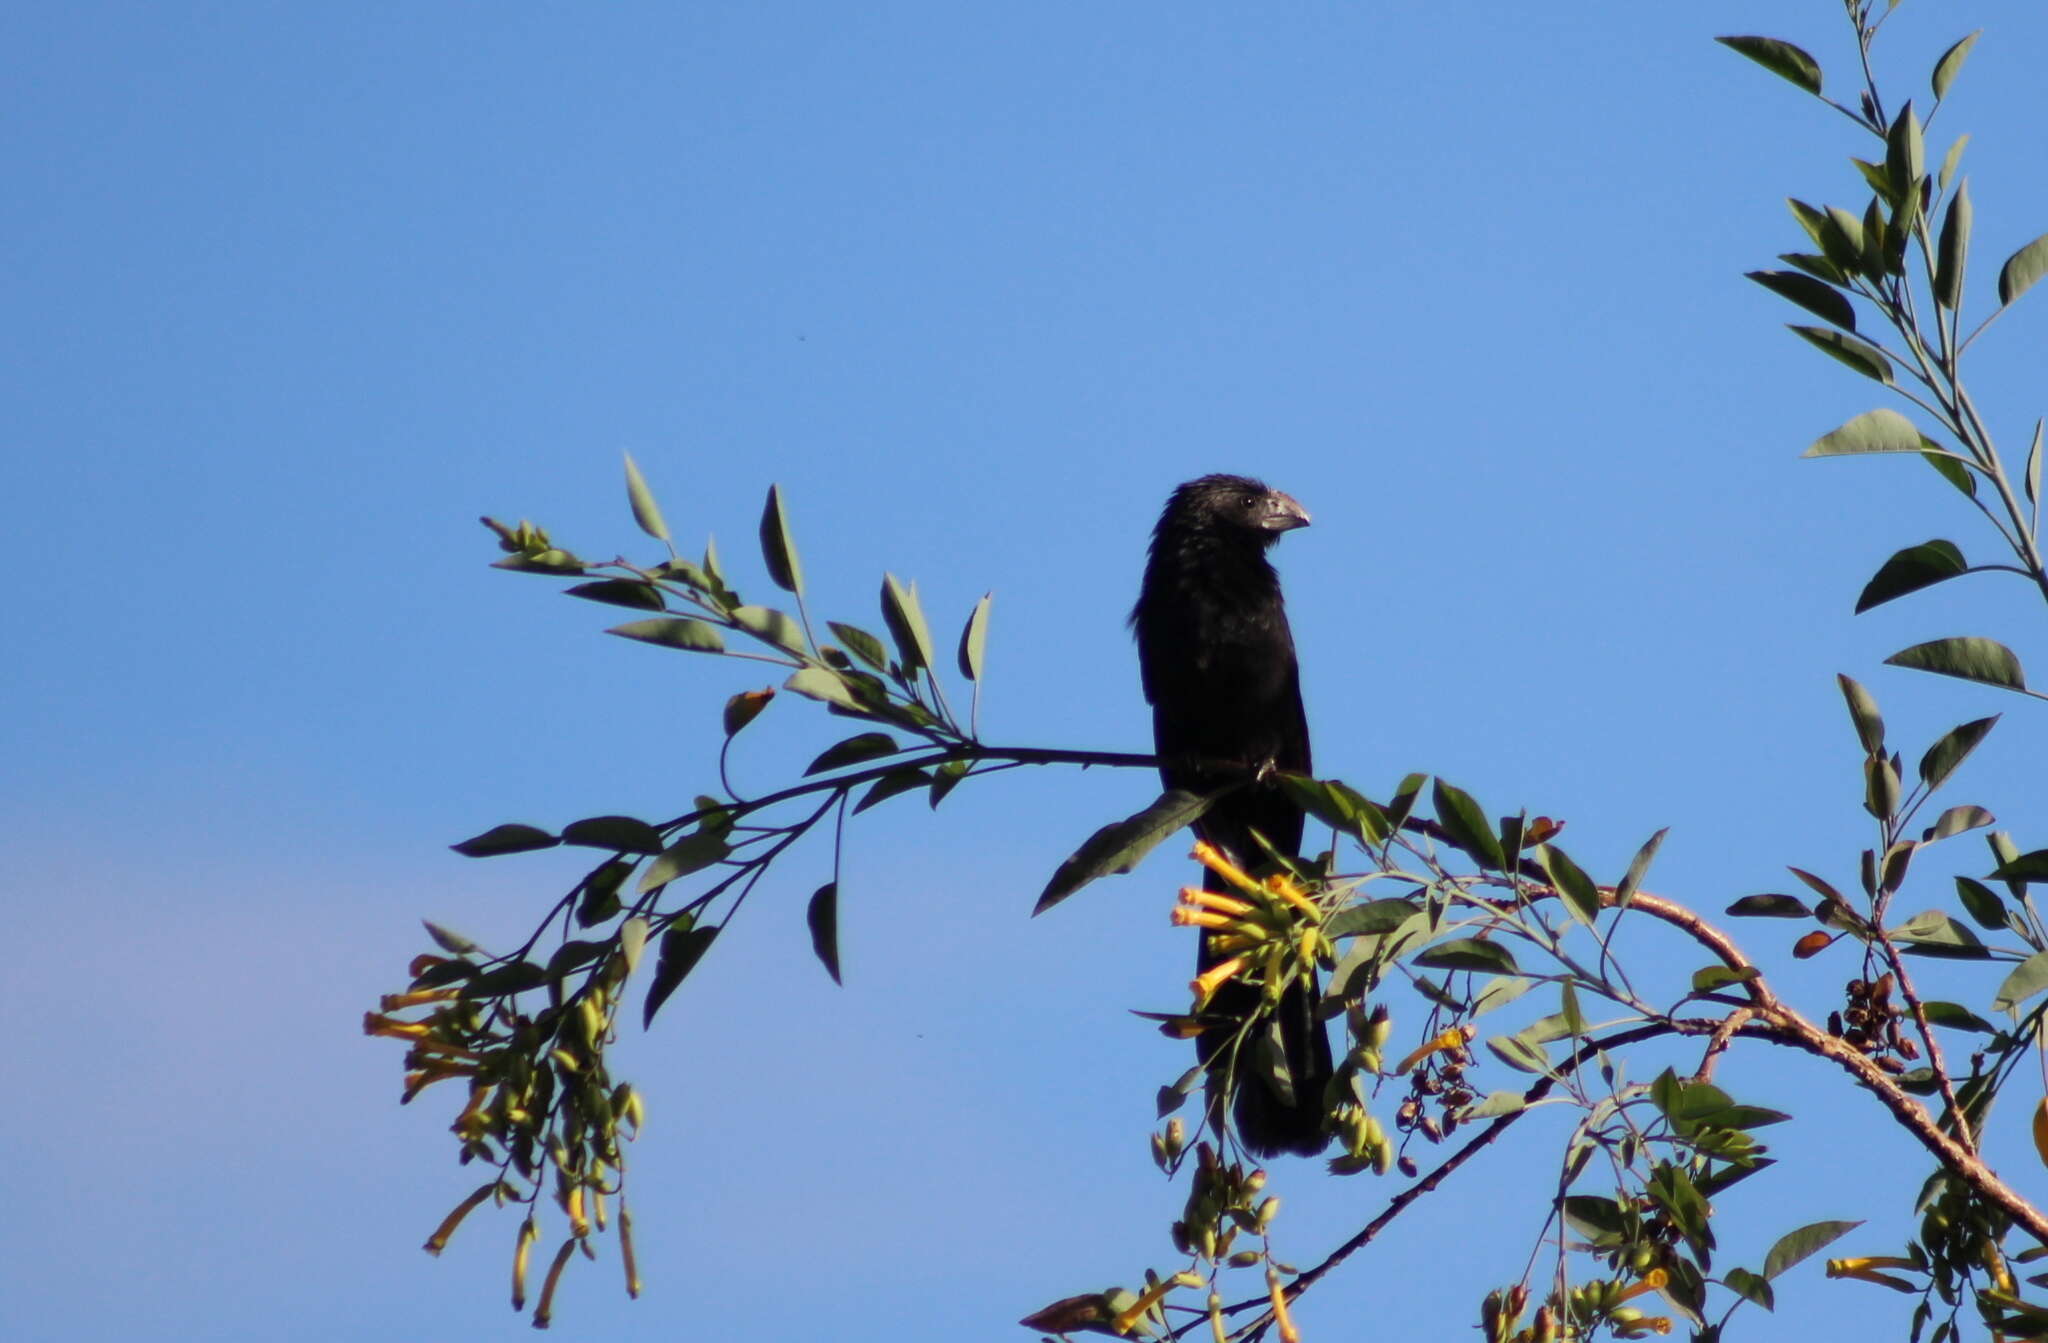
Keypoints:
(1468, 953)
(1519, 1054)
(1952, 470)
(1862, 356)
(674, 632)
(1465, 823)
(1750, 1287)
(542, 562)
(1949, 162)
(1499, 992)
(823, 918)
(1780, 58)
(743, 709)
(1951, 62)
(1967, 657)
(448, 940)
(600, 902)
(692, 853)
(1569, 1011)
(2022, 269)
(778, 548)
(905, 619)
(1863, 713)
(1370, 919)
(1597, 1219)
(1574, 887)
(1905, 153)
(1934, 933)
(1956, 1017)
(682, 946)
(820, 683)
(1496, 1104)
(1817, 885)
(2028, 978)
(1119, 846)
(621, 833)
(1794, 1246)
(1770, 907)
(1819, 267)
(1638, 868)
(889, 785)
(865, 746)
(1912, 569)
(572, 956)
(1956, 820)
(621, 592)
(645, 511)
(945, 779)
(974, 639)
(505, 839)
(1820, 299)
(2026, 867)
(861, 644)
(2032, 480)
(1981, 903)
(770, 625)
(1880, 430)
(1713, 977)
(1952, 252)
(1955, 746)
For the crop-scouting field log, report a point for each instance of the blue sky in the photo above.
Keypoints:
(299, 292)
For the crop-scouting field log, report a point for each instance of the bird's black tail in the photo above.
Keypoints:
(1279, 1072)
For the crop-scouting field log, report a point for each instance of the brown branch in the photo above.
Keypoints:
(1937, 1062)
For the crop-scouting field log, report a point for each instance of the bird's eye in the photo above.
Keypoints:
(1251, 501)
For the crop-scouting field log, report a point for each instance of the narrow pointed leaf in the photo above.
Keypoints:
(449, 940)
(681, 948)
(823, 918)
(1468, 953)
(621, 833)
(620, 592)
(861, 644)
(744, 708)
(1982, 904)
(500, 839)
(2032, 482)
(1863, 713)
(1770, 907)
(1880, 430)
(1465, 822)
(1967, 657)
(1905, 153)
(1910, 570)
(1819, 299)
(1951, 62)
(1119, 846)
(889, 785)
(1953, 748)
(1794, 1246)
(1953, 471)
(645, 511)
(974, 639)
(692, 853)
(1859, 355)
(1949, 162)
(674, 632)
(1952, 252)
(778, 548)
(821, 684)
(2028, 978)
(1957, 820)
(2024, 867)
(1639, 868)
(865, 746)
(1577, 890)
(905, 619)
(2022, 269)
(1751, 1287)
(1780, 58)
(770, 625)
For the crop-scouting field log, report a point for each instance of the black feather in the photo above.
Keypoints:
(1219, 670)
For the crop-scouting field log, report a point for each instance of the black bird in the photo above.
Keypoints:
(1220, 673)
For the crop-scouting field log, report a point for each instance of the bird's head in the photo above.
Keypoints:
(1236, 506)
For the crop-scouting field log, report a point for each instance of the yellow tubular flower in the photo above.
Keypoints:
(375, 1024)
(1195, 895)
(1206, 983)
(1211, 857)
(1152, 1296)
(1282, 1321)
(1651, 1281)
(1285, 888)
(1183, 917)
(1454, 1038)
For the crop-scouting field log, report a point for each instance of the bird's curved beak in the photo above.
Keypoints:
(1283, 513)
